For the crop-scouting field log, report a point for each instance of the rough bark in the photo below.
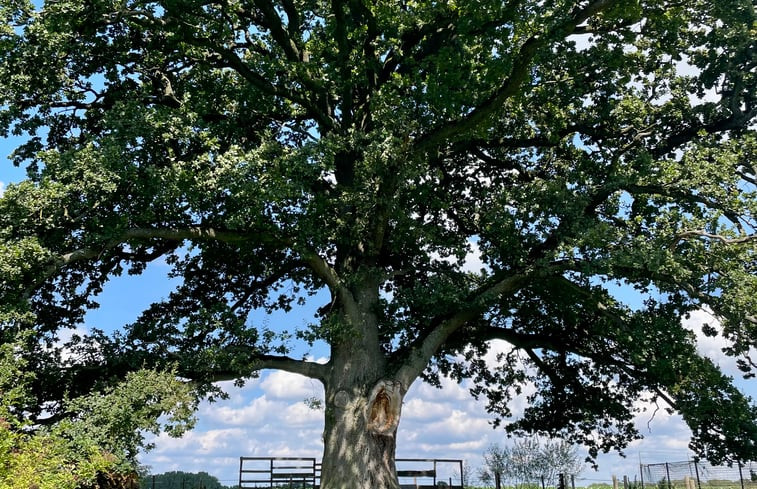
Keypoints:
(360, 437)
(363, 403)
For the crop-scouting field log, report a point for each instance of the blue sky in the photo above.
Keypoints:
(268, 417)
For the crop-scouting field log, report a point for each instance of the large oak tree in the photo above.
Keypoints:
(270, 150)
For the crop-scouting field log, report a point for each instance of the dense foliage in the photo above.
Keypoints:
(270, 150)
(96, 440)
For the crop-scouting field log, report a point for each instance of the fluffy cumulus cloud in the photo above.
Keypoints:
(269, 416)
(712, 346)
(286, 386)
(266, 419)
(443, 423)
(260, 419)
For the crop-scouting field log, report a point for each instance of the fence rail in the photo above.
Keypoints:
(698, 475)
(305, 473)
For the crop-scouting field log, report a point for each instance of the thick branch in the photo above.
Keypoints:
(302, 367)
(707, 300)
(737, 120)
(316, 104)
(545, 369)
(530, 342)
(309, 369)
(410, 39)
(231, 60)
(343, 54)
(428, 38)
(680, 195)
(278, 32)
(511, 85)
(556, 380)
(480, 300)
(698, 233)
(566, 228)
(150, 233)
(338, 289)
(509, 88)
(170, 234)
(293, 18)
(525, 340)
(477, 303)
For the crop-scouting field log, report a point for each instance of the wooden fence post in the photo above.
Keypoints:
(667, 471)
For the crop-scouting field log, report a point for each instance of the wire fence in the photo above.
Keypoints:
(669, 475)
(699, 475)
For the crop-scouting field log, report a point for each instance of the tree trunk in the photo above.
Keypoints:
(363, 400)
(360, 437)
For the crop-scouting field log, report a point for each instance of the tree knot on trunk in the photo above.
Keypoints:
(383, 412)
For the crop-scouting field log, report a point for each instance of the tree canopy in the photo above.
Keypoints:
(269, 150)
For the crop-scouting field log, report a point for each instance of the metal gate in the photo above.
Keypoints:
(291, 472)
(305, 472)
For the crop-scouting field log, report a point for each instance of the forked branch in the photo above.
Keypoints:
(511, 85)
(480, 300)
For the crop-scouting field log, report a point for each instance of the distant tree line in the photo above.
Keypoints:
(183, 480)
(528, 462)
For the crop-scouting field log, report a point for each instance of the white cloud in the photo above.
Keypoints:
(269, 418)
(65, 336)
(302, 416)
(238, 396)
(457, 426)
(2, 188)
(496, 348)
(198, 442)
(289, 386)
(259, 411)
(472, 262)
(444, 423)
(417, 409)
(712, 346)
(583, 41)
